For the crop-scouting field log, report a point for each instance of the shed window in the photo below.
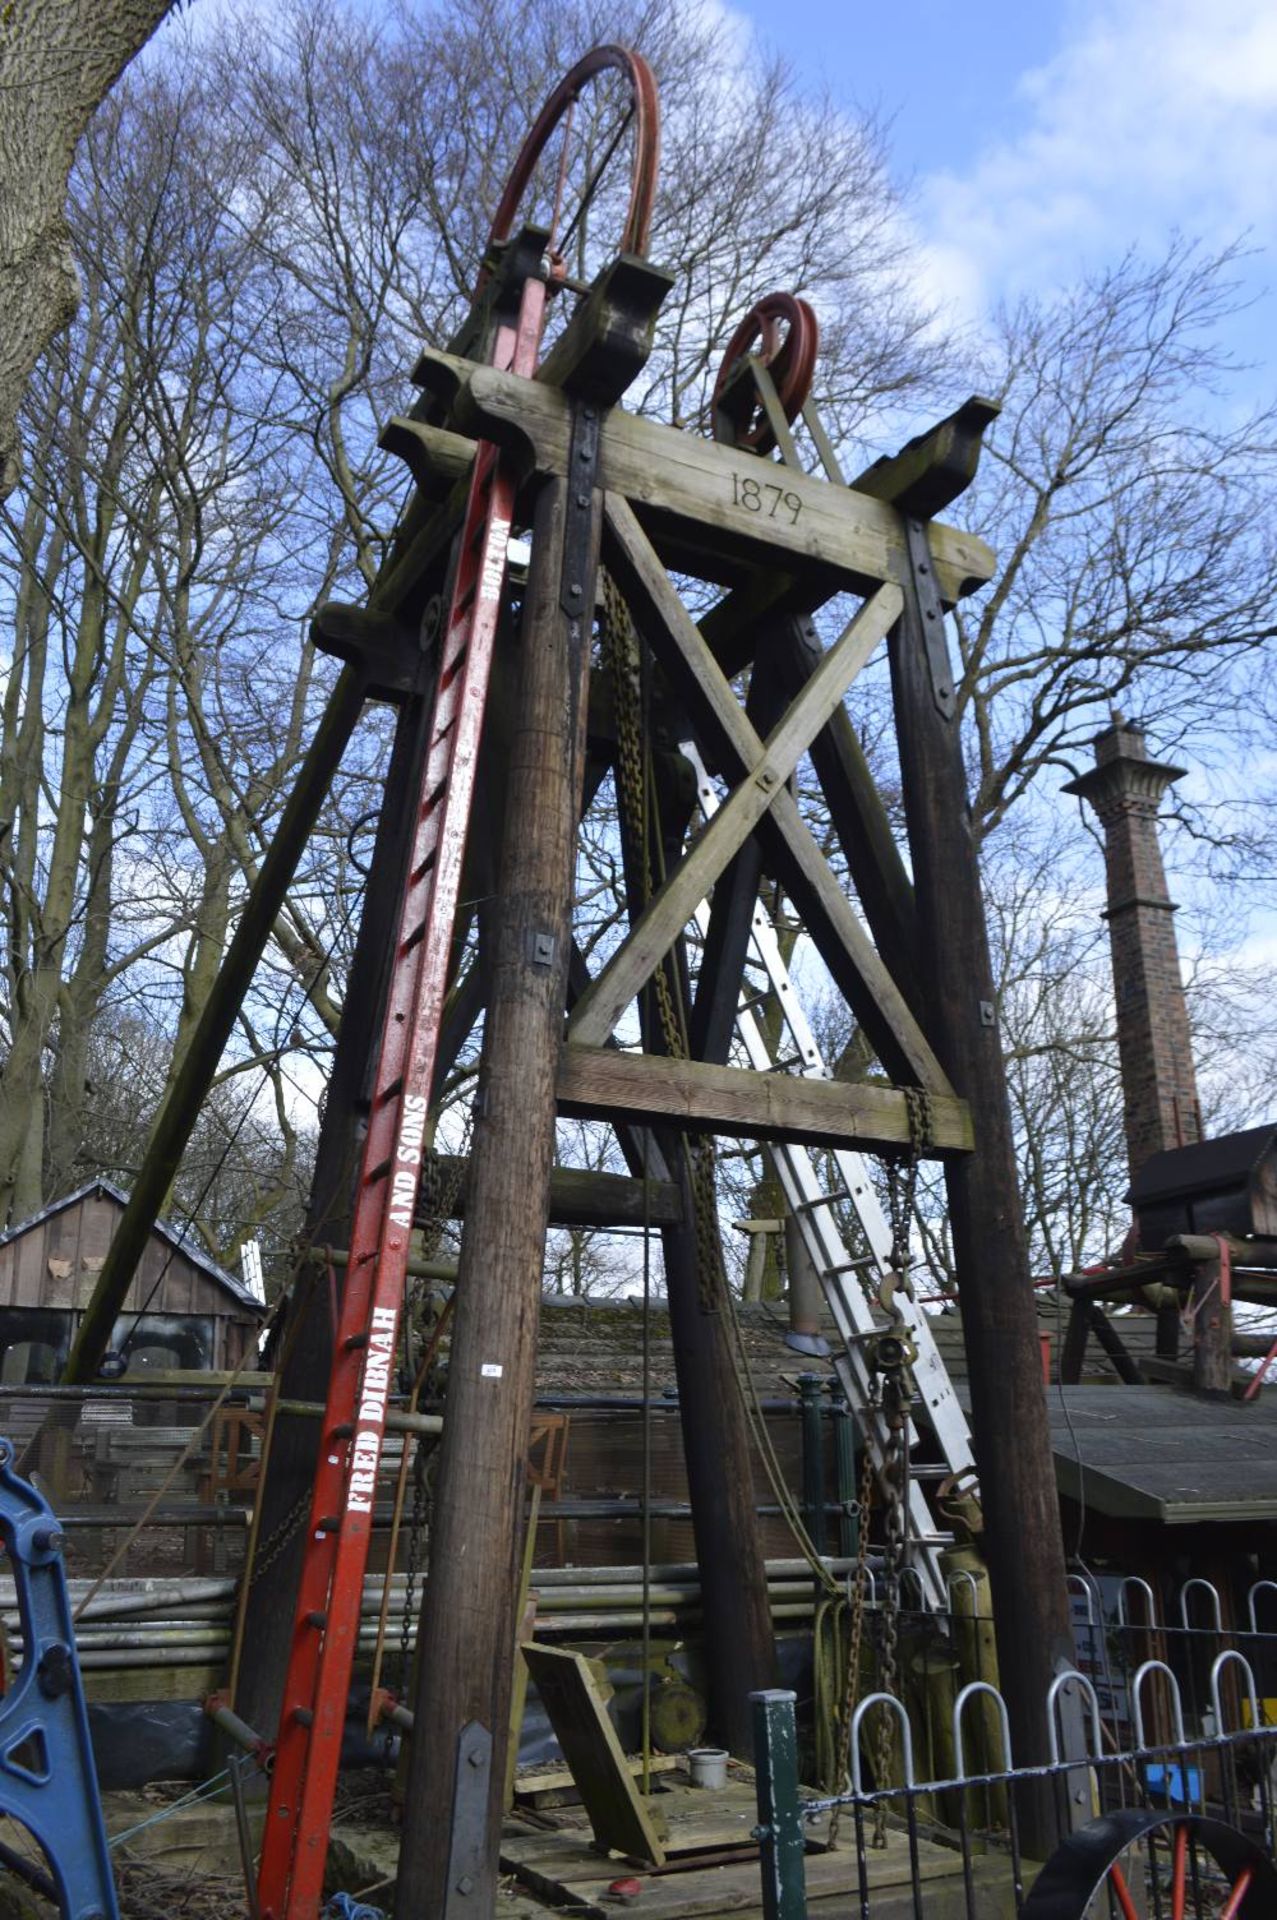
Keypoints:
(29, 1363)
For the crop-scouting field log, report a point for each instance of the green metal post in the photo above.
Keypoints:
(780, 1821)
(845, 1475)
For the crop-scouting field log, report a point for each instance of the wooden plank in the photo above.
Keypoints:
(541, 1785)
(465, 1665)
(697, 497)
(570, 1695)
(789, 847)
(602, 1082)
(1022, 1540)
(559, 1868)
(667, 914)
(931, 470)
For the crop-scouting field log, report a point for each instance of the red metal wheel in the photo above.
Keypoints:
(645, 114)
(782, 332)
(1087, 1875)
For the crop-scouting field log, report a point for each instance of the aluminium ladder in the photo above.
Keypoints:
(326, 1622)
(848, 1281)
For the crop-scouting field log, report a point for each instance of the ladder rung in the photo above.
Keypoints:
(391, 1092)
(851, 1266)
(378, 1172)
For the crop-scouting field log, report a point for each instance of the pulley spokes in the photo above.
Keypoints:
(559, 196)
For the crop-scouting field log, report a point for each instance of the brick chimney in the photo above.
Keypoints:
(1159, 1084)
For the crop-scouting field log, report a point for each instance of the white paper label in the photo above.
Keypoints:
(490, 1370)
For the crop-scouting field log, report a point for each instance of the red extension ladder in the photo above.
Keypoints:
(326, 1626)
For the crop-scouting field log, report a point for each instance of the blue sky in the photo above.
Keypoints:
(1042, 136)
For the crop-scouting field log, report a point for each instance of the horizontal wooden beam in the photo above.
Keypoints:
(703, 502)
(600, 1083)
(579, 1197)
(932, 470)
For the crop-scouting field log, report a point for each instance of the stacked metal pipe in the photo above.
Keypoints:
(183, 1621)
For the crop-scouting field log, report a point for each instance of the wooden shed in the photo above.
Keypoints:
(182, 1309)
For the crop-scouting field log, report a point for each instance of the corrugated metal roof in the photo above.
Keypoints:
(173, 1236)
(1156, 1453)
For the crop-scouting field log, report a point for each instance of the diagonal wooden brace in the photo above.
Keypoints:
(789, 847)
(670, 909)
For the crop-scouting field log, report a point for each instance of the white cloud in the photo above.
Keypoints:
(1154, 115)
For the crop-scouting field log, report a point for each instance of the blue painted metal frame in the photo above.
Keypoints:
(47, 1776)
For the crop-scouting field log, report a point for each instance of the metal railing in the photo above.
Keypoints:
(1158, 1786)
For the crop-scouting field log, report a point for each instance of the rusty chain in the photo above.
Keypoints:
(620, 653)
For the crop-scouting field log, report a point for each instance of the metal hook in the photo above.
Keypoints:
(898, 1708)
(951, 1582)
(1177, 1705)
(973, 1687)
(1217, 1667)
(1212, 1590)
(1134, 1580)
(1250, 1600)
(1072, 1679)
(1088, 1590)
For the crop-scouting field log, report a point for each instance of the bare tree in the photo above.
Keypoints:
(1129, 491)
(58, 60)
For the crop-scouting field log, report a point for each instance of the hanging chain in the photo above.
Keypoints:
(280, 1535)
(860, 1597)
(416, 1533)
(892, 1355)
(895, 1407)
(620, 653)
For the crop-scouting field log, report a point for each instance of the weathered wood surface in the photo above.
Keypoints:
(563, 1869)
(465, 1648)
(933, 469)
(671, 908)
(602, 1082)
(991, 1253)
(691, 493)
(789, 848)
(578, 1713)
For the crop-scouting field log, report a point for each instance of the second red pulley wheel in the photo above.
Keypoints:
(782, 332)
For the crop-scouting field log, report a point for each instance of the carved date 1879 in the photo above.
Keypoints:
(765, 497)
